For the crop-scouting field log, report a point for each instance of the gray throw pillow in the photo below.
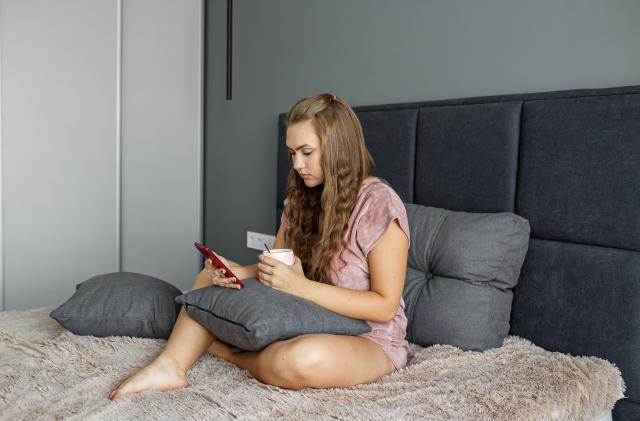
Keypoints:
(252, 317)
(462, 267)
(120, 304)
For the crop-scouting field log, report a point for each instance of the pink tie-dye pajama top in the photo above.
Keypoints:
(376, 207)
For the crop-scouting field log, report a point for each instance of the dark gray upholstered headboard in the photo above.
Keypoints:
(567, 161)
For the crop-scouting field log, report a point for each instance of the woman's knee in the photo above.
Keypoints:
(299, 362)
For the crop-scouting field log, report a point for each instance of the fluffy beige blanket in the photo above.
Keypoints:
(47, 373)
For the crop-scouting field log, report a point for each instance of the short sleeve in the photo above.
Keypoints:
(381, 207)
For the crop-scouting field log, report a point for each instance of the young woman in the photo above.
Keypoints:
(351, 232)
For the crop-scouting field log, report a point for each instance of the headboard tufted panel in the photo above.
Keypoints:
(395, 159)
(580, 170)
(467, 156)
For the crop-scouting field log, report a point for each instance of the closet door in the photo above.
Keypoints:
(162, 138)
(58, 70)
(101, 141)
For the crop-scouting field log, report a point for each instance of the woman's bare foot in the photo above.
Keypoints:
(222, 350)
(161, 374)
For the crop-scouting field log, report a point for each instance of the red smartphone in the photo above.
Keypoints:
(217, 262)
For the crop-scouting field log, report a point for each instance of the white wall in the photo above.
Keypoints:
(101, 144)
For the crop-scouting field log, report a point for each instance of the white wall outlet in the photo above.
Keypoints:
(256, 240)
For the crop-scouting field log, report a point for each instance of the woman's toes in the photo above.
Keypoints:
(113, 393)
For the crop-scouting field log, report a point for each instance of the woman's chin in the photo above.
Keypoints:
(310, 182)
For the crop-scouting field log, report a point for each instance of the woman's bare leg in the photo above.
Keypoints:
(314, 360)
(187, 342)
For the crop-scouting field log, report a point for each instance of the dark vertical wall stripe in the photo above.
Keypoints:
(229, 45)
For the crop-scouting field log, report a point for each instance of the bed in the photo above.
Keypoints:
(567, 161)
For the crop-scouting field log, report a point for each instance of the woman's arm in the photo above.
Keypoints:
(387, 270)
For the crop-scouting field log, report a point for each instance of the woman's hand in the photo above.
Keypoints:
(280, 276)
(217, 276)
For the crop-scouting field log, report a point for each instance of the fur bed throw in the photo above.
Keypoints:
(48, 373)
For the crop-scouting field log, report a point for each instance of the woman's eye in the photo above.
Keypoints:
(306, 153)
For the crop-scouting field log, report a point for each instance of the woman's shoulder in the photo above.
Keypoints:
(378, 201)
(378, 189)
(378, 206)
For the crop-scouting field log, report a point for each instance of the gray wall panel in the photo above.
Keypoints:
(58, 147)
(380, 51)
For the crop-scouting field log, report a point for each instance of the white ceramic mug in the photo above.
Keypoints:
(284, 255)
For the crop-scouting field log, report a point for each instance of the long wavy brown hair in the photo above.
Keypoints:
(346, 163)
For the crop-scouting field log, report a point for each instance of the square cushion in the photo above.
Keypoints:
(462, 267)
(120, 304)
(252, 317)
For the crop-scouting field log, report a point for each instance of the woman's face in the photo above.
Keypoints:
(305, 152)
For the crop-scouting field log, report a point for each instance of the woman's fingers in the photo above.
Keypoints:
(265, 268)
(216, 275)
(217, 278)
(227, 281)
(231, 283)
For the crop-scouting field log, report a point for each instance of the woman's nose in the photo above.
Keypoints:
(298, 163)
